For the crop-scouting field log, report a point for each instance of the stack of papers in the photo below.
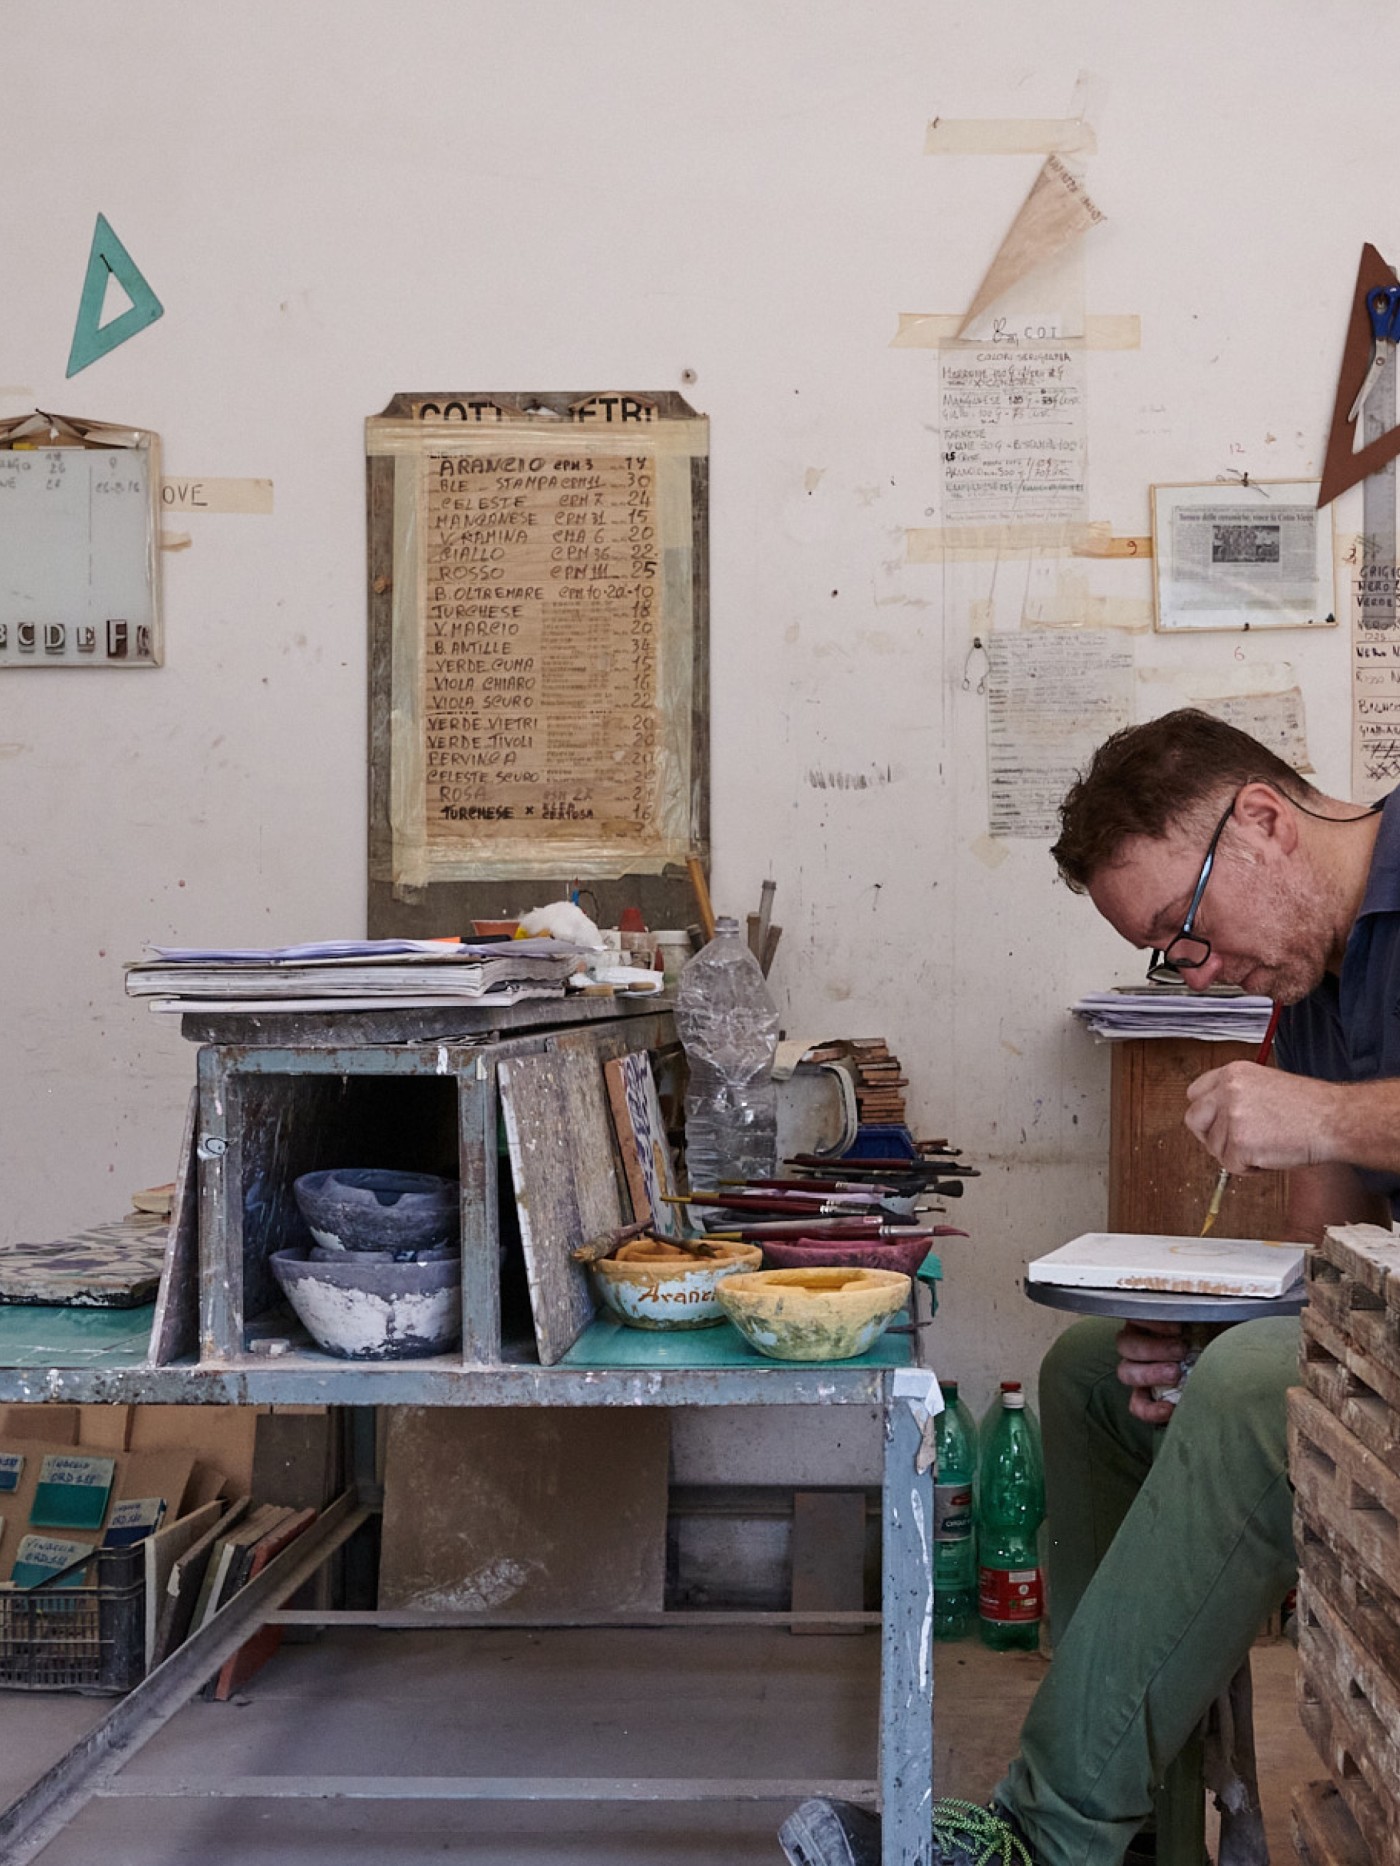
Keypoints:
(353, 974)
(1114, 1015)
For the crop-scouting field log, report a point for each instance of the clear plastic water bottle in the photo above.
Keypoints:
(954, 1519)
(728, 1025)
(1010, 1591)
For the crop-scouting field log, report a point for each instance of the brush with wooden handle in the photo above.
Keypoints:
(1265, 1051)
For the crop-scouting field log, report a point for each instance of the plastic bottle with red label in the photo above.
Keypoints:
(954, 1524)
(1010, 1589)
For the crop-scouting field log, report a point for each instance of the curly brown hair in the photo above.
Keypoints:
(1147, 780)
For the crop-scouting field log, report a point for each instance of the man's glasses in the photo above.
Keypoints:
(1188, 951)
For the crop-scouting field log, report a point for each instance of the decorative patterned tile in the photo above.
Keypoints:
(107, 1266)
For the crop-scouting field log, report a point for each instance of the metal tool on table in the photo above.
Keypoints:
(1383, 309)
(1265, 1051)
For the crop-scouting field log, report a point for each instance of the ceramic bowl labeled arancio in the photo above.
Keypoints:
(649, 1283)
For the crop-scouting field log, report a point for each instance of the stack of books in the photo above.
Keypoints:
(352, 975)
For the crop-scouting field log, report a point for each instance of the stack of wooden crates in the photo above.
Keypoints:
(1344, 1451)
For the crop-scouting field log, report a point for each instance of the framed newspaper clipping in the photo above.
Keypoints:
(1243, 554)
(538, 655)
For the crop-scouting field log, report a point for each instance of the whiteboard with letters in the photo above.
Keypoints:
(78, 585)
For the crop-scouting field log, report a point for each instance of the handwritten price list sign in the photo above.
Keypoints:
(542, 607)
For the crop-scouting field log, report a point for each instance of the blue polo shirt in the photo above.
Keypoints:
(1348, 1028)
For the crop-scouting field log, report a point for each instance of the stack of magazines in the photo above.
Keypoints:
(383, 974)
(1172, 1011)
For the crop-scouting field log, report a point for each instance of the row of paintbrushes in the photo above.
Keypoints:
(856, 1205)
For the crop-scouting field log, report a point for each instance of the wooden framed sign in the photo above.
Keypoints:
(538, 667)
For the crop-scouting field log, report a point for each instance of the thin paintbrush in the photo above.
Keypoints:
(1265, 1050)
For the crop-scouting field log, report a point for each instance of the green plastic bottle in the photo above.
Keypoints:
(954, 1519)
(1010, 1590)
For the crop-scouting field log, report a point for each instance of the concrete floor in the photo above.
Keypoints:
(596, 1703)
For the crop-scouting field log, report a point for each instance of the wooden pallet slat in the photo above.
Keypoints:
(1324, 1832)
(1345, 1487)
(1352, 1385)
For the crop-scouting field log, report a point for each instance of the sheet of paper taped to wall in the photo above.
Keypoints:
(1055, 212)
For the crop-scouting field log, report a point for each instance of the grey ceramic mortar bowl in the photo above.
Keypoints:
(361, 1309)
(377, 1208)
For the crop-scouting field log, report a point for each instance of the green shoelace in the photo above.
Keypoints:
(961, 1827)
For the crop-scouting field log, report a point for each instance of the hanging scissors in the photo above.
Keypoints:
(1383, 309)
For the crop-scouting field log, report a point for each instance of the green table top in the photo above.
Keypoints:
(609, 1343)
(34, 1335)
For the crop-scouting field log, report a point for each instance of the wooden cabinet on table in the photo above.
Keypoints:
(1160, 1177)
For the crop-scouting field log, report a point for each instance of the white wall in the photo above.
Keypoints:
(338, 201)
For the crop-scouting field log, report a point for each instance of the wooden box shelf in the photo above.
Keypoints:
(274, 1109)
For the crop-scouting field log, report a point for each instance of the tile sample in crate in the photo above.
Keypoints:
(39, 1557)
(106, 1266)
(72, 1491)
(566, 1192)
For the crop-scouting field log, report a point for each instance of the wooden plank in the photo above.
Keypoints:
(1324, 1832)
(828, 1556)
(1353, 1386)
(477, 1168)
(1349, 1708)
(530, 1509)
(1344, 1488)
(566, 1190)
(1160, 1178)
(175, 1329)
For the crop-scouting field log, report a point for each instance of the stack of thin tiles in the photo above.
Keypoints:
(1344, 1454)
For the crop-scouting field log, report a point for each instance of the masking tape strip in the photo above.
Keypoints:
(936, 544)
(1010, 136)
(439, 437)
(1115, 547)
(217, 495)
(1088, 610)
(938, 330)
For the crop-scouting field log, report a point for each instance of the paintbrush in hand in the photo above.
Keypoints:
(1265, 1050)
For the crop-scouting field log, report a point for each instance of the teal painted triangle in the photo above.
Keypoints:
(109, 259)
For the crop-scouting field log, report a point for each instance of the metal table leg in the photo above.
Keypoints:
(906, 1655)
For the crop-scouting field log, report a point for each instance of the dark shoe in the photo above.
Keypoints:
(838, 1833)
(831, 1833)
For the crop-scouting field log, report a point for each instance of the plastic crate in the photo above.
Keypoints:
(89, 1639)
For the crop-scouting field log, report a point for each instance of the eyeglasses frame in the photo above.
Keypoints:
(1162, 967)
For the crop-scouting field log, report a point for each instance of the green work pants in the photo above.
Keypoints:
(1169, 1547)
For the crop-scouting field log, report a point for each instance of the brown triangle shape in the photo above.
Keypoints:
(1341, 467)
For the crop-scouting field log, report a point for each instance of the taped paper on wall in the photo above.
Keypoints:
(1275, 719)
(1014, 436)
(1055, 213)
(1375, 673)
(1051, 700)
(937, 330)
